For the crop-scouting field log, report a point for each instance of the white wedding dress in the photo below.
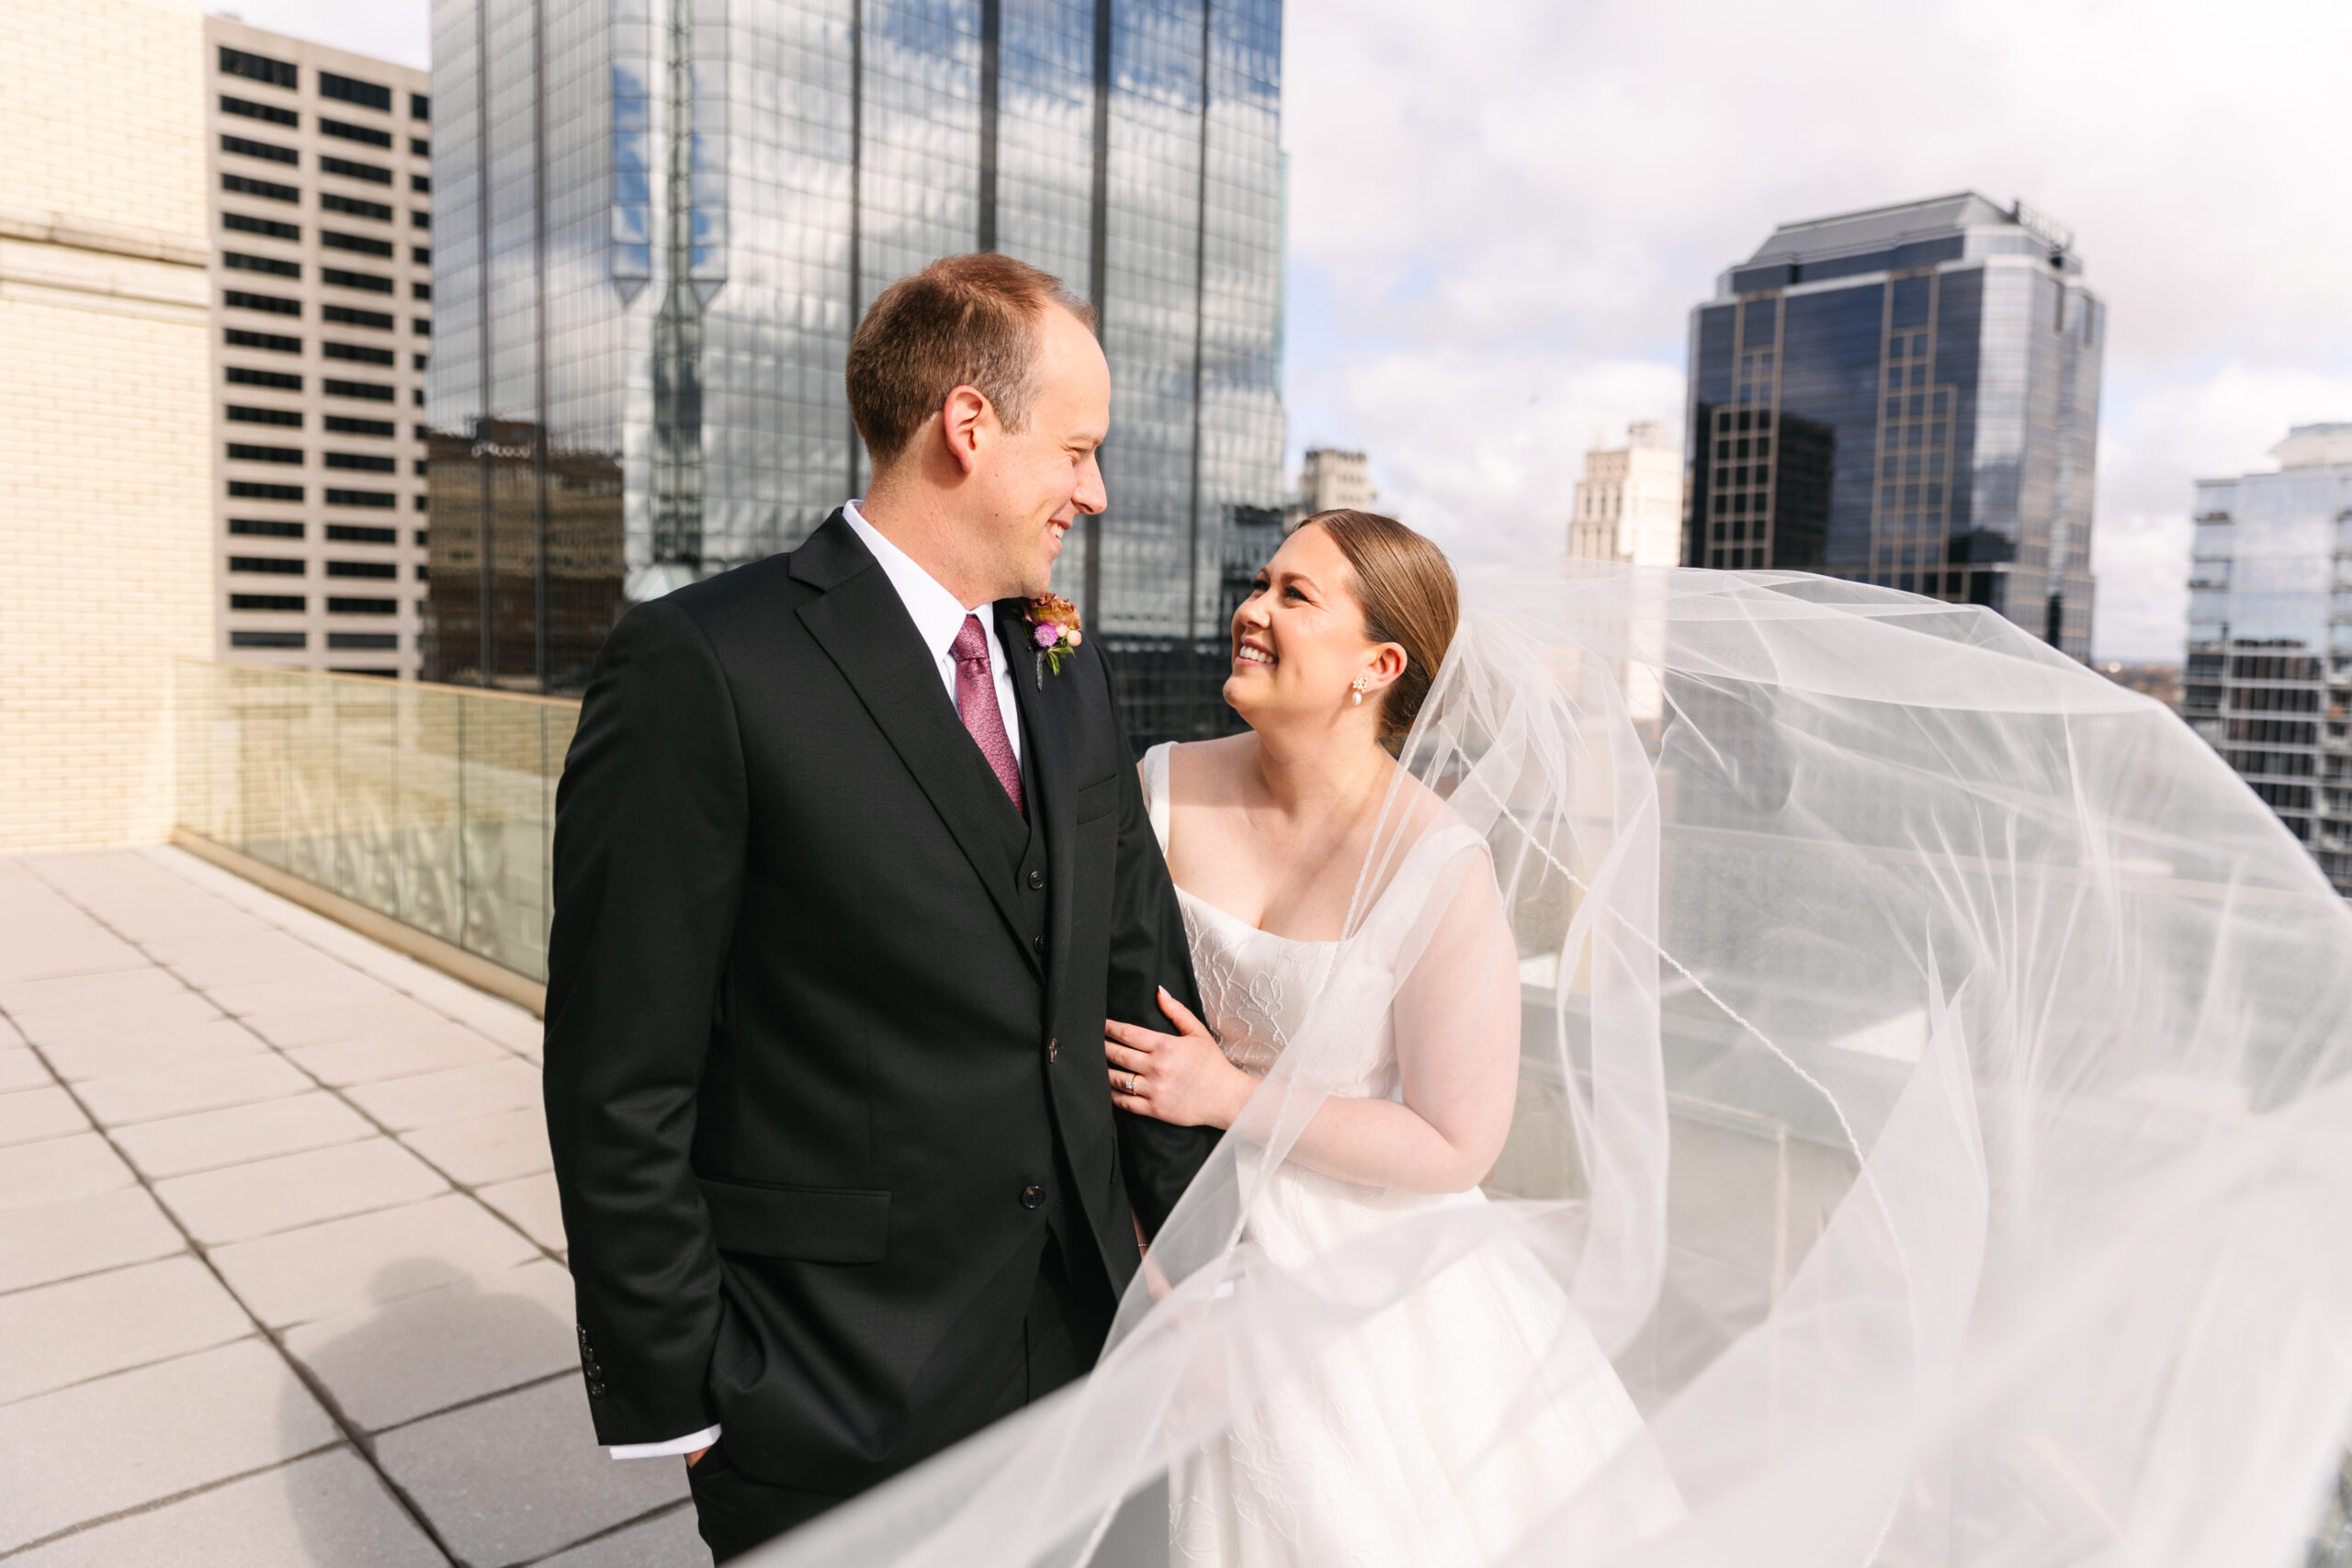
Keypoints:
(1384, 1450)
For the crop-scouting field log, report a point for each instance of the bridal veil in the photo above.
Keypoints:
(1932, 1095)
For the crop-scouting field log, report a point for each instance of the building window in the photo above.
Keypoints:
(264, 528)
(330, 202)
(269, 226)
(272, 566)
(257, 68)
(351, 90)
(237, 260)
(350, 132)
(363, 461)
(359, 242)
(362, 568)
(251, 110)
(357, 641)
(369, 391)
(353, 533)
(269, 639)
(379, 319)
(417, 361)
(368, 281)
(371, 172)
(421, 254)
(276, 305)
(248, 148)
(357, 351)
(420, 291)
(240, 452)
(423, 327)
(343, 424)
(241, 376)
(291, 604)
(419, 147)
(421, 184)
(363, 607)
(237, 185)
(239, 413)
(424, 537)
(420, 105)
(246, 490)
(419, 220)
(380, 500)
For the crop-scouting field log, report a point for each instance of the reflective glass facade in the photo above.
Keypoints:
(2268, 675)
(661, 219)
(1907, 397)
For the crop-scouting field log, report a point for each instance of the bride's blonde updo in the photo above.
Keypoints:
(1406, 587)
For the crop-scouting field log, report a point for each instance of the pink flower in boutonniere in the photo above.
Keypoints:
(1054, 624)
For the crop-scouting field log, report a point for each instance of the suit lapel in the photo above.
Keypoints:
(863, 629)
(1046, 718)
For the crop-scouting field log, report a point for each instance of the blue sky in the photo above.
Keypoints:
(1501, 214)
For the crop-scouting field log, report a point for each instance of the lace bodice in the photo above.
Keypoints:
(1255, 985)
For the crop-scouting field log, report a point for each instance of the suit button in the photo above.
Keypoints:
(1053, 1050)
(1032, 1196)
(1036, 879)
(1040, 943)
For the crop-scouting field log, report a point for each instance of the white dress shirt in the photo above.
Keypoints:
(938, 617)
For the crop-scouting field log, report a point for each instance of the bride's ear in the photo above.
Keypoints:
(1388, 661)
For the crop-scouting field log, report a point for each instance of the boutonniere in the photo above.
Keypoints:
(1054, 627)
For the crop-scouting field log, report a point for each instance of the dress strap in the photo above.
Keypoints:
(1155, 789)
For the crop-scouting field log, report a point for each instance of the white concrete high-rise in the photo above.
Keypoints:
(1629, 504)
(319, 196)
(1329, 479)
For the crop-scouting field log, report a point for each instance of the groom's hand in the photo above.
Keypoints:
(1182, 1078)
(695, 1457)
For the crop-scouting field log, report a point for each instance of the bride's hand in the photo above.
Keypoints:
(1182, 1077)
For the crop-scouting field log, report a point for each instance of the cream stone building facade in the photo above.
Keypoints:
(1329, 478)
(1629, 504)
(320, 190)
(106, 451)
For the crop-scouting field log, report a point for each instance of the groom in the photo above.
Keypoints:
(846, 883)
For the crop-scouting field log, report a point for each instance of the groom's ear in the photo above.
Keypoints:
(967, 422)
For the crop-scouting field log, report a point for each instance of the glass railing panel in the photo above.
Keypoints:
(432, 805)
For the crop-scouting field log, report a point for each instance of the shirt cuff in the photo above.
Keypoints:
(685, 1444)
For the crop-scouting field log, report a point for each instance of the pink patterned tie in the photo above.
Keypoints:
(976, 700)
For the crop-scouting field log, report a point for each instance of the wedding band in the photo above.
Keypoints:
(1131, 1083)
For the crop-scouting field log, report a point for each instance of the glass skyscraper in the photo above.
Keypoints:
(660, 219)
(1908, 397)
(2269, 678)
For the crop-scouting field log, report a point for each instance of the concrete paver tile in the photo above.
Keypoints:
(261, 954)
(56, 1168)
(151, 1096)
(208, 1139)
(533, 1204)
(154, 1050)
(30, 1114)
(80, 1235)
(240, 1202)
(517, 1477)
(316, 1024)
(329, 1508)
(427, 1352)
(74, 993)
(38, 954)
(101, 1447)
(484, 1149)
(20, 1068)
(65, 1026)
(456, 1094)
(334, 986)
(344, 1265)
(665, 1541)
(515, 1028)
(395, 1054)
(83, 1328)
(9, 1037)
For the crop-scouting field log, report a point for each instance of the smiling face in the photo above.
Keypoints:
(1299, 643)
(1031, 485)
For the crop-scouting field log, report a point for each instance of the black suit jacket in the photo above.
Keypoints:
(815, 1030)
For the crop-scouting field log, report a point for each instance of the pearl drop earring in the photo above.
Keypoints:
(1362, 682)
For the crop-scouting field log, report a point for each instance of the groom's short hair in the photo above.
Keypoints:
(966, 321)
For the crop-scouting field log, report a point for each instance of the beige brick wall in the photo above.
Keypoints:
(105, 472)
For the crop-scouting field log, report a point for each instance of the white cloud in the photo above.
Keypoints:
(1479, 194)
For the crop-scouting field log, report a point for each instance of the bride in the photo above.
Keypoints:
(1443, 1429)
